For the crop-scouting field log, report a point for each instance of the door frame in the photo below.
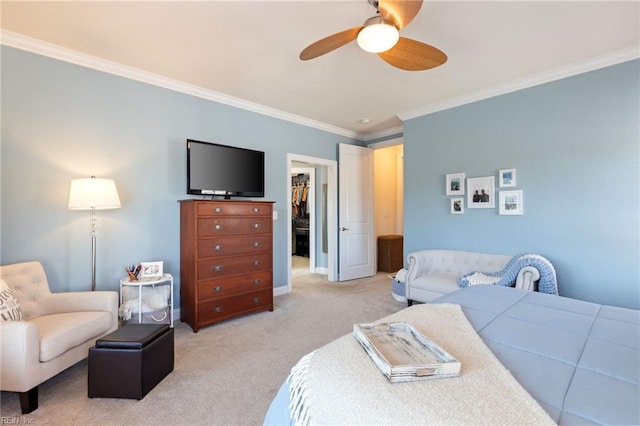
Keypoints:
(332, 211)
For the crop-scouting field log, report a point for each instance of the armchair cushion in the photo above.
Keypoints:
(61, 332)
(9, 306)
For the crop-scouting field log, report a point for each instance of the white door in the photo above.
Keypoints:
(355, 212)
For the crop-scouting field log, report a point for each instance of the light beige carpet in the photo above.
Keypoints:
(226, 374)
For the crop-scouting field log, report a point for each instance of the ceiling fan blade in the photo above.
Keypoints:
(412, 55)
(330, 43)
(400, 12)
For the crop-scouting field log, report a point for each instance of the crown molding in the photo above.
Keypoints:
(382, 134)
(33, 45)
(40, 47)
(614, 58)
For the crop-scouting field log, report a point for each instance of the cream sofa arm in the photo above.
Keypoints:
(527, 278)
(419, 264)
(19, 354)
(83, 301)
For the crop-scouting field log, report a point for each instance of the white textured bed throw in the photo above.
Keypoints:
(339, 384)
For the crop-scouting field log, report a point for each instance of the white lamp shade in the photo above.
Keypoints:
(93, 193)
(377, 36)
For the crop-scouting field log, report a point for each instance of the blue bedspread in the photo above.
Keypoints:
(579, 360)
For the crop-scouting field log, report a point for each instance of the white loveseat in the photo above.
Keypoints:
(433, 273)
(51, 331)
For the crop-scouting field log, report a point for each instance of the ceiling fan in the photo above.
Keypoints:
(380, 35)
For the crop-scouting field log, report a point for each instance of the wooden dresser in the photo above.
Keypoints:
(226, 260)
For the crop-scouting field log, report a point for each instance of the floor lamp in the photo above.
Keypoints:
(93, 194)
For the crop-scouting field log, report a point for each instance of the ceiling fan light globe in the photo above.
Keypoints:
(378, 37)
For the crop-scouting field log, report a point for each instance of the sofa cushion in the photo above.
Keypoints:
(437, 282)
(9, 306)
(61, 332)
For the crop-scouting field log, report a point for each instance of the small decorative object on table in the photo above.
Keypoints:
(403, 354)
(132, 272)
(151, 270)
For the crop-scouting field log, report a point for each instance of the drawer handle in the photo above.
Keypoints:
(217, 210)
(256, 300)
(256, 244)
(217, 247)
(217, 227)
(256, 282)
(217, 309)
(256, 263)
(256, 225)
(256, 210)
(217, 268)
(217, 289)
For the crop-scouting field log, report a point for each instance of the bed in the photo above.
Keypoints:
(578, 361)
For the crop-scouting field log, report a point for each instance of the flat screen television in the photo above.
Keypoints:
(214, 169)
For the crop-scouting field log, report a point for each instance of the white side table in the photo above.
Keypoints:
(166, 279)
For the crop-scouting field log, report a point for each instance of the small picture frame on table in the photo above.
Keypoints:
(511, 203)
(457, 205)
(507, 178)
(151, 270)
(455, 184)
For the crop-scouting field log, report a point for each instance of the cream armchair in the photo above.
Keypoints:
(55, 332)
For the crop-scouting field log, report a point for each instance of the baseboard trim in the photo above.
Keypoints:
(281, 290)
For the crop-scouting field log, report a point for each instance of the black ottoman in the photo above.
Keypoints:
(129, 362)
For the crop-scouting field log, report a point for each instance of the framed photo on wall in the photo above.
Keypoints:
(455, 184)
(481, 193)
(511, 203)
(507, 178)
(457, 205)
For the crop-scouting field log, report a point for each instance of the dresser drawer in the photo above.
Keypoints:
(219, 309)
(225, 246)
(224, 266)
(213, 227)
(233, 209)
(233, 285)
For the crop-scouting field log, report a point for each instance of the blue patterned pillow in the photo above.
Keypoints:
(9, 307)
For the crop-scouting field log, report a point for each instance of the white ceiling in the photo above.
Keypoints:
(246, 52)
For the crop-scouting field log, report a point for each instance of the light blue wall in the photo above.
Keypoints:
(576, 147)
(61, 121)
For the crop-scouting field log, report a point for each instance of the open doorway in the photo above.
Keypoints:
(320, 244)
(303, 220)
(389, 205)
(388, 170)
